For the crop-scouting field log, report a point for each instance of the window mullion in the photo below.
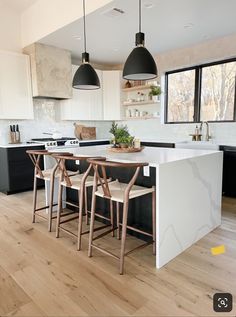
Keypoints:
(197, 94)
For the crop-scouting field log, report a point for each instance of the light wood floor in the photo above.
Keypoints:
(44, 276)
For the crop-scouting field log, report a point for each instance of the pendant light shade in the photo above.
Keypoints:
(85, 77)
(140, 65)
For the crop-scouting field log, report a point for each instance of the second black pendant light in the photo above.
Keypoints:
(140, 65)
(85, 77)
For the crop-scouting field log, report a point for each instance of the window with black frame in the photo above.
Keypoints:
(201, 93)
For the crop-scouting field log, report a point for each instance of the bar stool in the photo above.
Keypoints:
(80, 183)
(36, 157)
(120, 193)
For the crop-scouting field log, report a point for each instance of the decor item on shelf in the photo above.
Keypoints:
(138, 83)
(85, 77)
(128, 84)
(133, 112)
(138, 96)
(155, 92)
(121, 136)
(127, 113)
(140, 65)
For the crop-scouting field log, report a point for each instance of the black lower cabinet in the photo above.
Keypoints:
(229, 171)
(140, 209)
(158, 144)
(17, 170)
(93, 143)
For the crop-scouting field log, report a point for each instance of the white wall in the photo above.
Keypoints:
(10, 37)
(208, 51)
(47, 16)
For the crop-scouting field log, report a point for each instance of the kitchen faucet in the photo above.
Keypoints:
(207, 137)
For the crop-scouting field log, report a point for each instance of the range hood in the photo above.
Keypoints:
(50, 71)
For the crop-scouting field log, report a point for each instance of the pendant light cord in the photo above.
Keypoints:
(140, 16)
(85, 40)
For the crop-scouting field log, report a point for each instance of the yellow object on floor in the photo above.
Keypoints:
(218, 250)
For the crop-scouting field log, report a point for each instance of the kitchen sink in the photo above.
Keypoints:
(201, 145)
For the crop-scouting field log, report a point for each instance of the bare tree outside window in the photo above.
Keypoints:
(202, 93)
(181, 96)
(218, 92)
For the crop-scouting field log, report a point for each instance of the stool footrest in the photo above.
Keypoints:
(69, 232)
(100, 216)
(105, 251)
(138, 230)
(85, 232)
(70, 204)
(139, 247)
(104, 233)
(41, 216)
(67, 220)
(45, 207)
(68, 213)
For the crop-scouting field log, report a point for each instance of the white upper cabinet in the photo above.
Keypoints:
(112, 95)
(15, 86)
(85, 104)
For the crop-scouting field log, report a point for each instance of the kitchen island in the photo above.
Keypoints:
(188, 193)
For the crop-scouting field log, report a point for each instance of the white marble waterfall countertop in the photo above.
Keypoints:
(153, 156)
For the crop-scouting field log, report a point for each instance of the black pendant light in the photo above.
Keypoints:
(140, 64)
(85, 77)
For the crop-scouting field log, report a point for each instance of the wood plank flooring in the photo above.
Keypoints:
(44, 276)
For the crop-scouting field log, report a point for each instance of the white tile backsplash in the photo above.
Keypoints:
(47, 119)
(222, 133)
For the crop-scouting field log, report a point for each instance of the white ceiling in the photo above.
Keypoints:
(17, 5)
(169, 24)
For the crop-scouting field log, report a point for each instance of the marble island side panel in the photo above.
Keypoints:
(188, 203)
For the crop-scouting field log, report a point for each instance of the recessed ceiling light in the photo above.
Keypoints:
(188, 25)
(148, 5)
(77, 37)
(113, 13)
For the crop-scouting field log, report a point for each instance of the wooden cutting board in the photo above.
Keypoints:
(84, 133)
(88, 133)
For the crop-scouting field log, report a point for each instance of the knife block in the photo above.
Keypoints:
(15, 137)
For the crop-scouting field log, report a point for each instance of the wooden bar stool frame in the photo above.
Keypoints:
(35, 156)
(82, 200)
(123, 225)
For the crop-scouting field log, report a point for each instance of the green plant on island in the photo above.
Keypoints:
(121, 135)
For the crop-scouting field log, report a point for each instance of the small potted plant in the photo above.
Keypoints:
(121, 136)
(155, 92)
(126, 141)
